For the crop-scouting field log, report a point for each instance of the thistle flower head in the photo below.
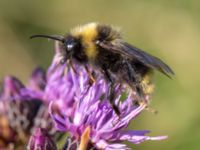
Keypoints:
(85, 107)
(76, 106)
(22, 109)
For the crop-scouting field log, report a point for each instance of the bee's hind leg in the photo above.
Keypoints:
(134, 80)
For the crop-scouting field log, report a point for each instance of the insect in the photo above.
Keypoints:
(103, 47)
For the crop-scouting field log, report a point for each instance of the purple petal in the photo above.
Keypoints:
(11, 87)
(137, 137)
(38, 79)
(60, 122)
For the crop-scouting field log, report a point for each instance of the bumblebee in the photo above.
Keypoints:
(102, 47)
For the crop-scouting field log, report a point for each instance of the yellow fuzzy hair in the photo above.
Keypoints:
(88, 33)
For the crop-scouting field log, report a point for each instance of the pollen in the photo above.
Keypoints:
(148, 87)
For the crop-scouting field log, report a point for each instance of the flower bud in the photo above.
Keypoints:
(41, 140)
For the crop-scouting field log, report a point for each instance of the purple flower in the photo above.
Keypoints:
(23, 109)
(66, 97)
(41, 140)
(64, 85)
(82, 107)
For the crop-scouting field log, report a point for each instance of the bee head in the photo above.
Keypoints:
(70, 44)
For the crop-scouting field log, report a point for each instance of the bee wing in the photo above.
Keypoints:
(134, 53)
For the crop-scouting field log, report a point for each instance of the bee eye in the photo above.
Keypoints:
(70, 46)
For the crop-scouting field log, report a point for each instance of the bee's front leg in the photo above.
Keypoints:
(91, 76)
(72, 65)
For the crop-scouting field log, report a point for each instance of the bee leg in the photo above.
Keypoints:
(111, 99)
(91, 76)
(154, 111)
(134, 78)
(111, 91)
(72, 65)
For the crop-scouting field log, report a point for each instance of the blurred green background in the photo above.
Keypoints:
(169, 29)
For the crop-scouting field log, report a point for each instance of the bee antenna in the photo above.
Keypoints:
(54, 37)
